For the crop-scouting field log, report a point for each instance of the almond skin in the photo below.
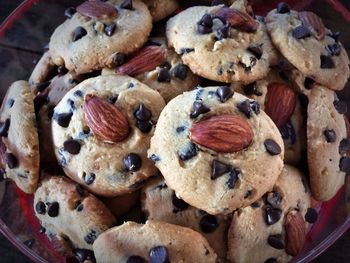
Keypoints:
(295, 228)
(237, 19)
(313, 22)
(97, 9)
(280, 103)
(146, 59)
(105, 120)
(223, 133)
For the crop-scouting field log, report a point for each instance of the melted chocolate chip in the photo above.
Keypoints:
(276, 241)
(344, 165)
(283, 8)
(330, 135)
(40, 208)
(10, 160)
(29, 243)
(143, 113)
(132, 162)
(179, 204)
(180, 71)
(84, 255)
(217, 2)
(271, 260)
(189, 153)
(340, 106)
(69, 12)
(223, 32)
(208, 223)
(309, 83)
(154, 158)
(78, 33)
(272, 147)
(224, 93)
(53, 209)
(159, 254)
(144, 126)
(197, 109)
(288, 133)
(42, 86)
(89, 178)
(327, 62)
(135, 259)
(164, 75)
(344, 146)
(4, 127)
(90, 237)
(118, 59)
(255, 50)
(274, 199)
(233, 178)
(301, 32)
(63, 119)
(127, 4)
(272, 215)
(311, 215)
(72, 146)
(109, 29)
(334, 49)
(218, 169)
(10, 102)
(248, 107)
(186, 50)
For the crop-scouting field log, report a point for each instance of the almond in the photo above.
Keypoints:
(97, 9)
(105, 120)
(295, 228)
(223, 133)
(146, 59)
(237, 19)
(280, 103)
(314, 23)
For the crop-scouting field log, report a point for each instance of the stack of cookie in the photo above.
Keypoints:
(187, 144)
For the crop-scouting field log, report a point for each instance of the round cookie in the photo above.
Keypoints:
(218, 51)
(90, 40)
(159, 202)
(19, 137)
(101, 131)
(154, 240)
(212, 149)
(316, 52)
(326, 144)
(258, 232)
(160, 9)
(69, 213)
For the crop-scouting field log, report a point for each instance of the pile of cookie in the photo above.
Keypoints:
(206, 139)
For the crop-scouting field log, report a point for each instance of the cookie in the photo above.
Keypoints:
(260, 232)
(19, 137)
(43, 71)
(221, 142)
(101, 131)
(313, 49)
(121, 204)
(217, 48)
(160, 9)
(69, 213)
(327, 144)
(159, 202)
(100, 30)
(154, 241)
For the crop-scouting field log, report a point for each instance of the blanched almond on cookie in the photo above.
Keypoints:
(295, 232)
(314, 22)
(97, 9)
(146, 59)
(237, 19)
(223, 133)
(105, 120)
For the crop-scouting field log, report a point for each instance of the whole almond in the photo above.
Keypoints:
(280, 103)
(313, 22)
(97, 9)
(105, 120)
(223, 133)
(237, 19)
(146, 59)
(295, 228)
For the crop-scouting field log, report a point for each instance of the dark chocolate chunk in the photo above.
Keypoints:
(144, 126)
(272, 215)
(72, 146)
(10, 102)
(340, 106)
(301, 32)
(164, 75)
(4, 127)
(272, 147)
(327, 62)
(42, 230)
(218, 2)
(69, 12)
(311, 215)
(53, 209)
(274, 199)
(135, 259)
(335, 36)
(154, 158)
(40, 208)
(206, 21)
(255, 50)
(127, 4)
(42, 86)
(118, 59)
(78, 33)
(271, 260)
(180, 71)
(29, 243)
(288, 133)
(248, 107)
(84, 255)
(330, 135)
(180, 129)
(208, 223)
(344, 146)
(224, 93)
(143, 113)
(283, 8)
(112, 99)
(63, 119)
(132, 162)
(89, 178)
(276, 241)
(159, 254)
(179, 204)
(189, 153)
(334, 49)
(233, 178)
(10, 160)
(223, 32)
(344, 165)
(309, 83)
(218, 169)
(61, 70)
(90, 237)
(197, 109)
(186, 50)
(109, 29)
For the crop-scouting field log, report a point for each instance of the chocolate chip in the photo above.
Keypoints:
(199, 93)
(42, 86)
(10, 160)
(159, 254)
(189, 153)
(72, 146)
(180, 129)
(71, 104)
(272, 147)
(344, 165)
(208, 223)
(4, 127)
(10, 102)
(197, 109)
(276, 241)
(109, 29)
(63, 119)
(112, 99)
(334, 49)
(179, 204)
(288, 132)
(154, 158)
(335, 36)
(180, 71)
(330, 135)
(127, 4)
(223, 32)
(218, 169)
(80, 207)
(327, 62)
(186, 50)
(40, 208)
(344, 146)
(233, 178)
(309, 83)
(84, 255)
(272, 215)
(224, 93)
(166, 65)
(78, 33)
(135, 259)
(301, 32)
(42, 230)
(206, 21)
(89, 178)
(251, 89)
(340, 106)
(311, 215)
(61, 70)
(274, 199)
(164, 75)
(283, 8)
(143, 113)
(255, 50)
(132, 162)
(118, 59)
(203, 29)
(248, 107)
(53, 209)
(144, 126)
(69, 12)
(217, 2)
(29, 243)
(271, 260)
(90, 237)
